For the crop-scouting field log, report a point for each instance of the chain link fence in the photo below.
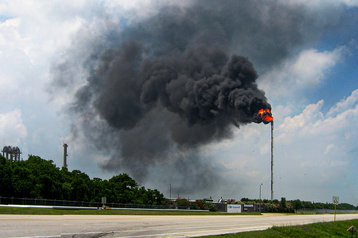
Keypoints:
(54, 202)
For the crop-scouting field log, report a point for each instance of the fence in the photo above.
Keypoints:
(324, 211)
(54, 202)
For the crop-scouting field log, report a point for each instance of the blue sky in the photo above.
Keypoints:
(312, 92)
(342, 78)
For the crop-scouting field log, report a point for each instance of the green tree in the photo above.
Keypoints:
(283, 203)
(80, 183)
(182, 203)
(297, 204)
(6, 188)
(39, 178)
(22, 182)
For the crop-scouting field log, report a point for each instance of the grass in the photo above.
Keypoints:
(317, 230)
(44, 211)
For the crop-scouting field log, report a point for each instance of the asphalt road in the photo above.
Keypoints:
(80, 226)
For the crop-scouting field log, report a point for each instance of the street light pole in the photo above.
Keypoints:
(170, 191)
(260, 197)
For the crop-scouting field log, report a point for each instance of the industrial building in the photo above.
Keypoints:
(11, 153)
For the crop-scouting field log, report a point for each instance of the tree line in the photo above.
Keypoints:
(41, 179)
(284, 205)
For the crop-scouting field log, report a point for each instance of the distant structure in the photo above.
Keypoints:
(11, 153)
(65, 146)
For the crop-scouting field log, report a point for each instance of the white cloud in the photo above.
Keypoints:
(311, 65)
(320, 147)
(298, 124)
(344, 104)
(306, 70)
(37, 29)
(32, 34)
(30, 37)
(351, 3)
(138, 9)
(12, 129)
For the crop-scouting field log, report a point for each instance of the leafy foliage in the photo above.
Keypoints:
(39, 178)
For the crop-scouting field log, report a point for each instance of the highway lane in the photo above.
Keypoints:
(92, 226)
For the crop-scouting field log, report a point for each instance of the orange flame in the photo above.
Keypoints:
(265, 115)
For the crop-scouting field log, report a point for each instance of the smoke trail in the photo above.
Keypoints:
(159, 89)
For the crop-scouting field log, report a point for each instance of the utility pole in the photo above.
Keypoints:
(260, 197)
(170, 191)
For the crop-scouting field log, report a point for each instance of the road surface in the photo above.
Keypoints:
(80, 226)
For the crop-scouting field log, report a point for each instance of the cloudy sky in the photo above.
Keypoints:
(313, 91)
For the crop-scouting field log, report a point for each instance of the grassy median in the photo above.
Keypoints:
(45, 211)
(317, 230)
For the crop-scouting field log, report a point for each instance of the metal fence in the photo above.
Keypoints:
(54, 202)
(324, 211)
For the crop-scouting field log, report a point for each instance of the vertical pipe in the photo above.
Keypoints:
(272, 161)
(65, 155)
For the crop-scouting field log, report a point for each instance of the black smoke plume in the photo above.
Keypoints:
(157, 90)
(171, 101)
